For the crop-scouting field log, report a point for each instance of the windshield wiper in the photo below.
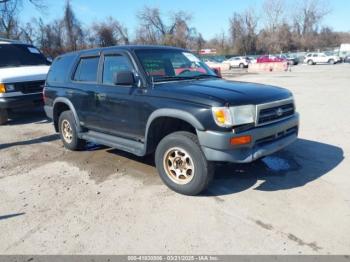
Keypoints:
(205, 76)
(170, 78)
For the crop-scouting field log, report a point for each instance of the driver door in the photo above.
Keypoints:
(116, 105)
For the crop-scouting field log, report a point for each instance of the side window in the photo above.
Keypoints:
(87, 70)
(113, 64)
(59, 69)
(315, 55)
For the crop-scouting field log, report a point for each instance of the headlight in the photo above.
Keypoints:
(243, 114)
(7, 88)
(234, 116)
(10, 87)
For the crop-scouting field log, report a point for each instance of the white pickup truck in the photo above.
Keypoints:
(23, 70)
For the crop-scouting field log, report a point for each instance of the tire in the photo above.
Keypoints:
(68, 132)
(200, 172)
(331, 61)
(241, 65)
(3, 116)
(310, 62)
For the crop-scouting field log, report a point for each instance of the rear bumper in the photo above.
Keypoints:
(49, 111)
(21, 101)
(266, 140)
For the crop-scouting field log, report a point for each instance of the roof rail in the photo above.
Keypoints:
(11, 41)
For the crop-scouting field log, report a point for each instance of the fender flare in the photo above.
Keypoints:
(71, 107)
(175, 113)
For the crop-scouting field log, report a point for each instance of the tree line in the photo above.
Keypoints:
(276, 28)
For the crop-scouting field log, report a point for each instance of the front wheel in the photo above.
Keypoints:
(331, 61)
(182, 165)
(3, 116)
(310, 62)
(241, 66)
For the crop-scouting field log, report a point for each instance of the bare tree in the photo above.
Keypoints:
(73, 30)
(309, 14)
(109, 33)
(243, 30)
(154, 30)
(9, 19)
(273, 12)
(9, 10)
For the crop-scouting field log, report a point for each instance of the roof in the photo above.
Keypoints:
(125, 47)
(11, 41)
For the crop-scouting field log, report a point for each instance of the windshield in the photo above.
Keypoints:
(169, 65)
(20, 55)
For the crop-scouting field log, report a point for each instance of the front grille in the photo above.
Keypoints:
(278, 136)
(30, 87)
(272, 112)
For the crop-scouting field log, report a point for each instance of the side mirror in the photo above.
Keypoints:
(125, 78)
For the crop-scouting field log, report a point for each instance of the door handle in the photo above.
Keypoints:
(101, 96)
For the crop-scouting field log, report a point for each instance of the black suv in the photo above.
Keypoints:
(163, 100)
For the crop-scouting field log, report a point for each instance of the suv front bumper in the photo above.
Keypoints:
(266, 140)
(12, 102)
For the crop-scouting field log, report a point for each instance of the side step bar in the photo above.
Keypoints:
(134, 147)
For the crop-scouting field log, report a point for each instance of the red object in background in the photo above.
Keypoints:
(270, 59)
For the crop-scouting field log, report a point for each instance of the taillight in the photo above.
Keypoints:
(44, 95)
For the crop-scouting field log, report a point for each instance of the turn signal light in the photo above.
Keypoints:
(2, 88)
(241, 140)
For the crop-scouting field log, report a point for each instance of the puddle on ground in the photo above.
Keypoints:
(276, 163)
(103, 163)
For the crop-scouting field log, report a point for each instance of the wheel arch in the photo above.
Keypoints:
(60, 105)
(165, 121)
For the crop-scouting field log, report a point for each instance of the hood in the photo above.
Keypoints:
(23, 74)
(221, 91)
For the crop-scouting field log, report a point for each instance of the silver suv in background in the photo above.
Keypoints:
(23, 70)
(238, 62)
(321, 58)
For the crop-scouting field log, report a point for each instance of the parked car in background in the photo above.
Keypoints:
(321, 58)
(216, 64)
(347, 59)
(291, 60)
(23, 70)
(237, 62)
(136, 99)
(270, 59)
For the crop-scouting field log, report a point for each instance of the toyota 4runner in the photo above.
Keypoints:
(163, 100)
(23, 71)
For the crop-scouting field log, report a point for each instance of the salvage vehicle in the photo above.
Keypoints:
(321, 58)
(136, 99)
(23, 70)
(270, 59)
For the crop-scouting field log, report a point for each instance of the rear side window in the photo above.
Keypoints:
(59, 69)
(87, 70)
(114, 64)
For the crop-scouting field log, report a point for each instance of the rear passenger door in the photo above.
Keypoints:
(82, 90)
(116, 105)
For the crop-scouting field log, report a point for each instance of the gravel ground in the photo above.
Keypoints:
(103, 201)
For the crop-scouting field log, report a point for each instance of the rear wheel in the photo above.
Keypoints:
(241, 65)
(331, 61)
(182, 165)
(3, 116)
(68, 132)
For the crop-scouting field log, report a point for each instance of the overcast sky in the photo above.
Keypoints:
(209, 17)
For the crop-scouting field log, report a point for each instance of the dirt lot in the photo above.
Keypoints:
(103, 201)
